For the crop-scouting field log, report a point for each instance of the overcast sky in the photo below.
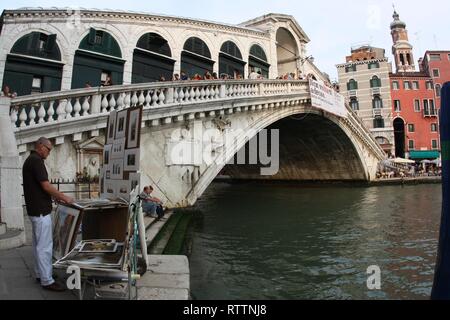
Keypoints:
(332, 26)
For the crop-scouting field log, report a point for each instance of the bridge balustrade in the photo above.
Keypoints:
(62, 106)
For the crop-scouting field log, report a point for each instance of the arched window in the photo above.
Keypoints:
(34, 65)
(352, 85)
(196, 58)
(354, 104)
(230, 61)
(375, 82)
(258, 60)
(377, 102)
(197, 46)
(100, 41)
(155, 43)
(98, 59)
(258, 52)
(152, 59)
(38, 44)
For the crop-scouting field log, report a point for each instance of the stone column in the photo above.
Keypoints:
(10, 172)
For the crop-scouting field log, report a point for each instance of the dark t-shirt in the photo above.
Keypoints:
(38, 201)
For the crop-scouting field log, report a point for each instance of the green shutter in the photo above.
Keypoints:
(91, 39)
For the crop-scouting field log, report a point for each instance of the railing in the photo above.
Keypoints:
(62, 106)
(75, 189)
(81, 190)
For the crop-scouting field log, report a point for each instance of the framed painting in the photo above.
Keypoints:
(121, 124)
(123, 189)
(65, 227)
(134, 181)
(134, 128)
(117, 169)
(118, 149)
(107, 154)
(132, 159)
(111, 128)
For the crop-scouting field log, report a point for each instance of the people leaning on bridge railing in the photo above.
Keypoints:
(7, 92)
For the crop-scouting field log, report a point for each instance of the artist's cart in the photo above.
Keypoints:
(106, 247)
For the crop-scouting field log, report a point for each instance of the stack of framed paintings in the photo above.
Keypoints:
(121, 155)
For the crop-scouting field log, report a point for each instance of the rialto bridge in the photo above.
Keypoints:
(224, 115)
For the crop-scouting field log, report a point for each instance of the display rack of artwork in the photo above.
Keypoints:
(121, 156)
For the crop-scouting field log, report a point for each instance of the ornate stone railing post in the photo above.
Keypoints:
(11, 211)
(170, 96)
(223, 91)
(96, 104)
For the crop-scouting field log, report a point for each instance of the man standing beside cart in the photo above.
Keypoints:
(38, 199)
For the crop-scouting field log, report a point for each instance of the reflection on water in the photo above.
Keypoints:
(290, 242)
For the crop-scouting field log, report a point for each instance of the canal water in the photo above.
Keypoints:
(265, 241)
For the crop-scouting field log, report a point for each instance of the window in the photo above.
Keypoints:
(407, 85)
(426, 108)
(434, 127)
(436, 73)
(98, 37)
(375, 82)
(378, 123)
(351, 68)
(449, 56)
(352, 85)
(397, 107)
(395, 85)
(415, 85)
(42, 44)
(434, 144)
(438, 90)
(377, 103)
(417, 105)
(432, 109)
(354, 104)
(36, 86)
(429, 85)
(411, 144)
(435, 57)
(104, 77)
(411, 128)
(374, 65)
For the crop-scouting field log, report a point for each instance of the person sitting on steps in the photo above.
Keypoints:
(151, 205)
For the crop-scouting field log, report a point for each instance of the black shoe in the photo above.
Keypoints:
(38, 280)
(55, 287)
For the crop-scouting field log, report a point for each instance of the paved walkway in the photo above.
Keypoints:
(17, 280)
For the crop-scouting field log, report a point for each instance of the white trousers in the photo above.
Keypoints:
(43, 248)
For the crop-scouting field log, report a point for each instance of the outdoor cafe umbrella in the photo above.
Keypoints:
(403, 161)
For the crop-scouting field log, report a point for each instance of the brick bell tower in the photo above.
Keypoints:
(402, 49)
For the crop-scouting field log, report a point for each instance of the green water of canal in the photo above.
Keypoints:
(253, 241)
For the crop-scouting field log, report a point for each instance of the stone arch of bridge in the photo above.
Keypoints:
(360, 151)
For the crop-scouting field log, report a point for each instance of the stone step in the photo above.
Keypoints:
(2, 228)
(160, 241)
(12, 239)
(167, 278)
(155, 227)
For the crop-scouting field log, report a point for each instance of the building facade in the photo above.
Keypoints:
(416, 96)
(415, 116)
(364, 81)
(44, 50)
(437, 65)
